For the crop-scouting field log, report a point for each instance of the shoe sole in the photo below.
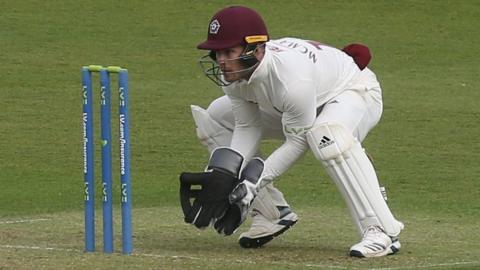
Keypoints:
(246, 242)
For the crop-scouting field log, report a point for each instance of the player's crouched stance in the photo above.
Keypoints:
(310, 95)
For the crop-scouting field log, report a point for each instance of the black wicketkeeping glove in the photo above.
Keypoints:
(241, 198)
(210, 203)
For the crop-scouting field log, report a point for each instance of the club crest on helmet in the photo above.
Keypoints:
(214, 27)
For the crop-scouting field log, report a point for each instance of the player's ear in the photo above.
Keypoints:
(260, 52)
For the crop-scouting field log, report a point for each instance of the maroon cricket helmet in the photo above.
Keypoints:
(232, 26)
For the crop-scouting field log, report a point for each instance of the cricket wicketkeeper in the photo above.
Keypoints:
(308, 94)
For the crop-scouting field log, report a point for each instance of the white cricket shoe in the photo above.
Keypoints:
(375, 243)
(263, 230)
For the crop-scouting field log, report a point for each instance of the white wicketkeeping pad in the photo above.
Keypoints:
(211, 133)
(353, 173)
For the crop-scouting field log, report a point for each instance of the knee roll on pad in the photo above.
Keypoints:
(353, 173)
(211, 133)
(329, 141)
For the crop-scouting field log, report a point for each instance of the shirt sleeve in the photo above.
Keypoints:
(299, 113)
(248, 127)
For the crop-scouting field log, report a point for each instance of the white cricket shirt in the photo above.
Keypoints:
(294, 78)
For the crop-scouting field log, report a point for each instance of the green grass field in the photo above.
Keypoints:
(426, 148)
